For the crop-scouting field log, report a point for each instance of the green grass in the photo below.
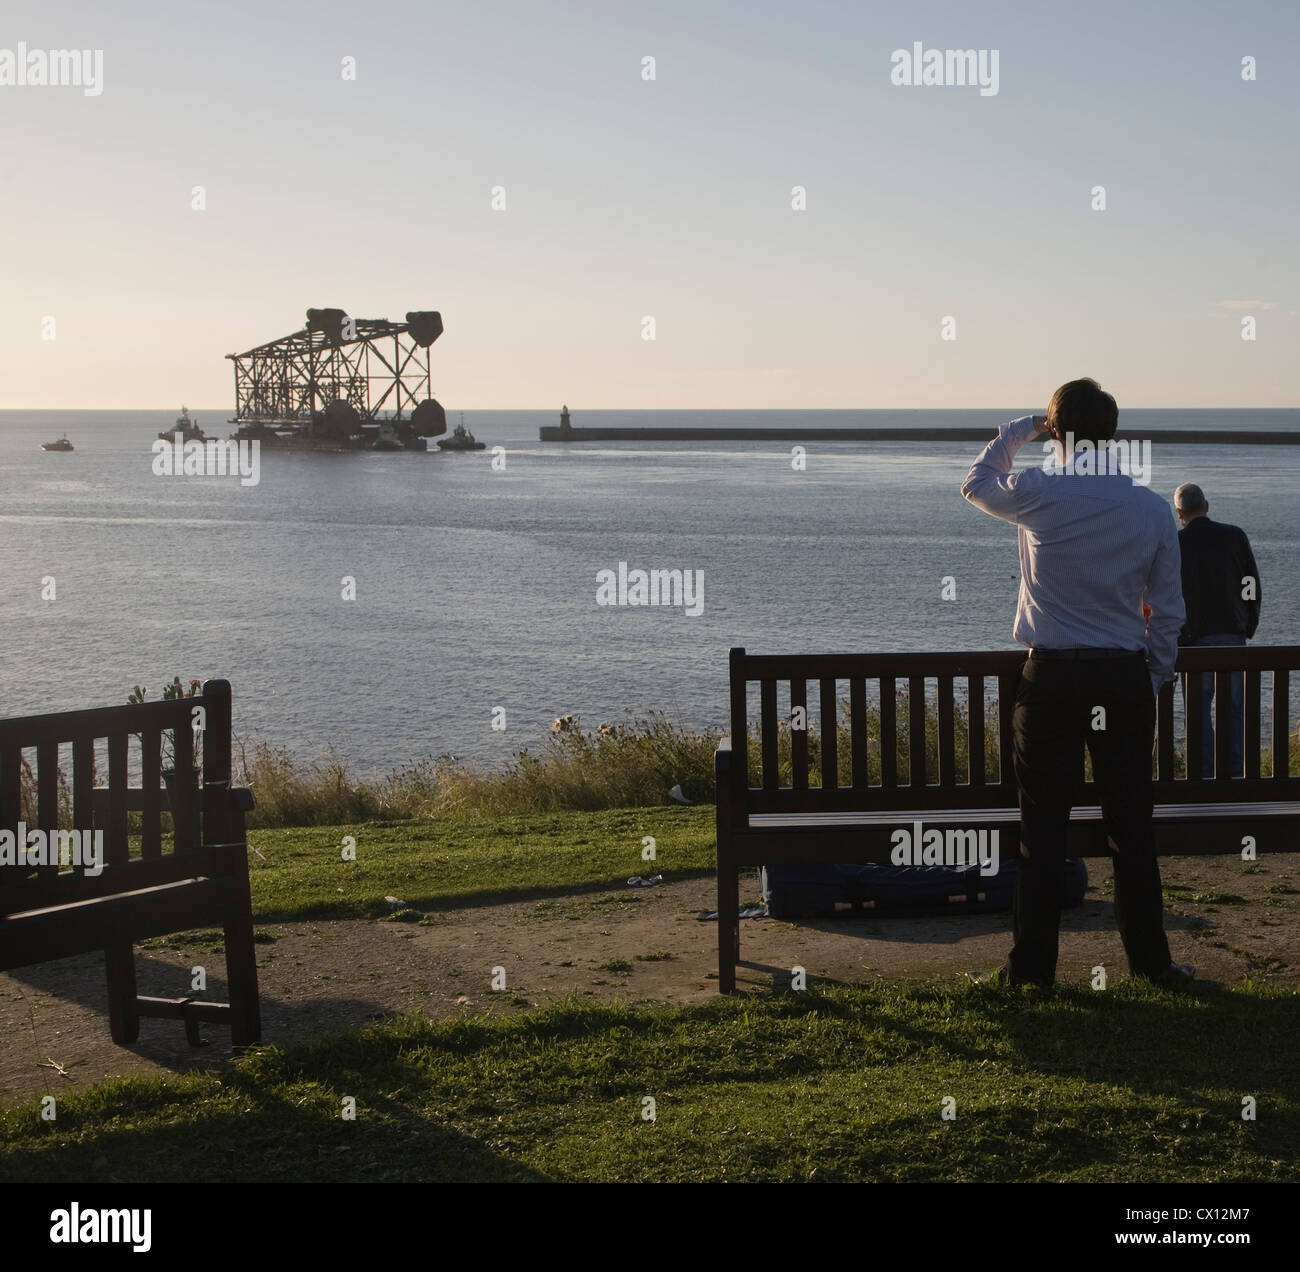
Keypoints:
(449, 862)
(839, 1083)
(1132, 1084)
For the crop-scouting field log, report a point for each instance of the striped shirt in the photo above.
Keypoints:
(1094, 547)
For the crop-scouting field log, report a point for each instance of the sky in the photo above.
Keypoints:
(628, 197)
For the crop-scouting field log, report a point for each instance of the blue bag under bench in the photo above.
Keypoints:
(826, 890)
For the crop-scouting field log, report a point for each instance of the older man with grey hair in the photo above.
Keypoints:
(1221, 593)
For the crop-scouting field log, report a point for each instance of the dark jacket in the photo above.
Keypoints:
(1216, 558)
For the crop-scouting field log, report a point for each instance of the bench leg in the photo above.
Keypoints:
(123, 1010)
(241, 976)
(728, 927)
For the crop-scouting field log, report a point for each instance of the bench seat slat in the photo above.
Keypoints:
(70, 886)
(61, 931)
(988, 816)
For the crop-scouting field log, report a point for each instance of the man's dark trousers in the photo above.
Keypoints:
(1236, 683)
(1057, 706)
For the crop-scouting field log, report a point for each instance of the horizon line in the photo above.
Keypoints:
(649, 409)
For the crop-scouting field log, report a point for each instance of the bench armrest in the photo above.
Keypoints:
(722, 757)
(726, 777)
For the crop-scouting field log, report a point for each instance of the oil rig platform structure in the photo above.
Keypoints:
(341, 383)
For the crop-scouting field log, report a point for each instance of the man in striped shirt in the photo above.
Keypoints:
(1097, 550)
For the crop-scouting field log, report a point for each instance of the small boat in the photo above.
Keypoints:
(461, 439)
(387, 439)
(61, 445)
(188, 429)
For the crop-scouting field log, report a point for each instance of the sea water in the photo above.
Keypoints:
(477, 586)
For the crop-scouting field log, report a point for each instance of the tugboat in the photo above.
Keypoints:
(188, 429)
(461, 439)
(61, 445)
(387, 440)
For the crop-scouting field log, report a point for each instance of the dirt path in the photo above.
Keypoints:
(636, 944)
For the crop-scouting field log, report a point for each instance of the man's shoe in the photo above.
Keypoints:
(1175, 976)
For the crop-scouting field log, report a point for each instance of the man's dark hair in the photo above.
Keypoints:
(1084, 408)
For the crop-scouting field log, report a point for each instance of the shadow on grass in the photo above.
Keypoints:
(947, 927)
(1170, 1043)
(82, 981)
(432, 903)
(268, 1139)
(1131, 1082)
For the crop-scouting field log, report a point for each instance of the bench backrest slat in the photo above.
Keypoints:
(975, 729)
(947, 734)
(740, 711)
(829, 708)
(916, 729)
(1007, 681)
(1195, 727)
(1222, 719)
(117, 845)
(1165, 735)
(83, 780)
(858, 731)
(183, 791)
(1251, 695)
(767, 705)
(47, 794)
(1281, 724)
(799, 736)
(11, 783)
(151, 789)
(888, 733)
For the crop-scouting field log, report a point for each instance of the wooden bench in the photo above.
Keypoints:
(198, 879)
(845, 806)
